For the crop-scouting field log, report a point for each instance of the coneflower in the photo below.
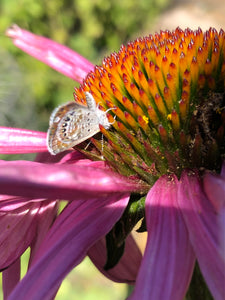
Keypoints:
(161, 161)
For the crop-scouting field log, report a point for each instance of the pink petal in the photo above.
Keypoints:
(10, 278)
(124, 271)
(55, 55)
(10, 203)
(168, 260)
(75, 157)
(214, 186)
(45, 218)
(15, 140)
(71, 157)
(18, 229)
(204, 231)
(223, 170)
(23, 225)
(78, 227)
(53, 181)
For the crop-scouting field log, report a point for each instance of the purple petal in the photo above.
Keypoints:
(22, 224)
(75, 157)
(53, 181)
(222, 173)
(46, 215)
(18, 229)
(214, 186)
(10, 278)
(204, 230)
(55, 55)
(124, 271)
(71, 157)
(168, 260)
(46, 157)
(78, 227)
(15, 140)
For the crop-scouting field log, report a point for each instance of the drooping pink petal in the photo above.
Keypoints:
(78, 227)
(222, 173)
(16, 140)
(45, 217)
(127, 268)
(76, 157)
(18, 229)
(71, 157)
(23, 224)
(46, 157)
(53, 181)
(168, 260)
(10, 278)
(57, 56)
(214, 186)
(201, 219)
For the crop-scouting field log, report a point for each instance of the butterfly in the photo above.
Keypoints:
(72, 123)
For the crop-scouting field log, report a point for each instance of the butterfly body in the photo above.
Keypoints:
(73, 123)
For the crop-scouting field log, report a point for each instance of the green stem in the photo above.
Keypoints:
(198, 289)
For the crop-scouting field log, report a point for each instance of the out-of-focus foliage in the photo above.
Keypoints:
(94, 28)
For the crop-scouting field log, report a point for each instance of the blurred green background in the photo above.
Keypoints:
(29, 90)
(93, 28)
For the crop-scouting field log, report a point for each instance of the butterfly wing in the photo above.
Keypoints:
(70, 124)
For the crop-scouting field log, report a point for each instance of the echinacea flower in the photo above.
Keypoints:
(161, 161)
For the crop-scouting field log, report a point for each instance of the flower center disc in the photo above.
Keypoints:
(165, 95)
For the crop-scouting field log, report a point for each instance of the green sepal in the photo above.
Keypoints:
(115, 239)
(114, 251)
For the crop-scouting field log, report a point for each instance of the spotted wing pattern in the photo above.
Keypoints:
(71, 124)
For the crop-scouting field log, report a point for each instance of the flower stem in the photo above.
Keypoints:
(198, 289)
